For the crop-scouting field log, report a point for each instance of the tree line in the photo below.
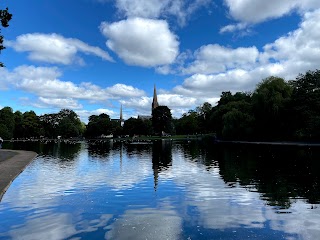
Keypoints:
(275, 110)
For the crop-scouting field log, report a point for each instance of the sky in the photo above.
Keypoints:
(92, 56)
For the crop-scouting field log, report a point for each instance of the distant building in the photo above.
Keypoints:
(120, 120)
(154, 105)
(144, 117)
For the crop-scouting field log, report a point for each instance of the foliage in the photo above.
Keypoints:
(5, 17)
(65, 123)
(271, 100)
(162, 120)
(6, 123)
(136, 126)
(100, 125)
(306, 105)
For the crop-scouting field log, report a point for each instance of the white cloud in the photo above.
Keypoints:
(51, 92)
(253, 11)
(216, 68)
(142, 42)
(214, 58)
(233, 27)
(54, 48)
(179, 9)
(44, 82)
(59, 103)
(299, 50)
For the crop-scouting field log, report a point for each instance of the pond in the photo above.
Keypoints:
(163, 190)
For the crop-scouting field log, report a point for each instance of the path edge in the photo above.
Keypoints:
(11, 168)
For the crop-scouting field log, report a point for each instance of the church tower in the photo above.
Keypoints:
(121, 117)
(155, 103)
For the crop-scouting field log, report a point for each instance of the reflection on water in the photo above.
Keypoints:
(163, 190)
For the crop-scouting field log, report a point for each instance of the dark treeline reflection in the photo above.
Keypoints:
(61, 150)
(280, 174)
(161, 158)
(99, 149)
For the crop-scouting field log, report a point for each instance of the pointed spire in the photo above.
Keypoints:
(121, 117)
(155, 103)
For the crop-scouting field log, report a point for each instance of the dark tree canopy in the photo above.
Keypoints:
(136, 126)
(100, 125)
(5, 17)
(162, 120)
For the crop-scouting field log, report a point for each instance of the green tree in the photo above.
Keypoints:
(204, 112)
(225, 115)
(188, 123)
(237, 125)
(271, 101)
(306, 105)
(5, 17)
(6, 123)
(162, 120)
(136, 126)
(18, 125)
(99, 125)
(69, 124)
(31, 124)
(49, 125)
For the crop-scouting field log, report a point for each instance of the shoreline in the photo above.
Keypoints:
(12, 163)
(298, 144)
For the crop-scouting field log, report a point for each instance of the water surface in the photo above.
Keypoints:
(164, 190)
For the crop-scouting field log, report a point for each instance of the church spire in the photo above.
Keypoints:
(121, 117)
(155, 103)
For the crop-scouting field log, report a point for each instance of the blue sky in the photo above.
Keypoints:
(93, 55)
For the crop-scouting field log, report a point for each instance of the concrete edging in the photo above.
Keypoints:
(10, 168)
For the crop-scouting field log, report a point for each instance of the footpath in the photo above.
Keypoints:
(12, 163)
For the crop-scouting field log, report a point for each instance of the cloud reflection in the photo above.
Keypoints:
(147, 223)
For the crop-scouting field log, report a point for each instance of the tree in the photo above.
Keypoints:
(136, 126)
(99, 125)
(270, 101)
(65, 123)
(162, 120)
(69, 124)
(188, 123)
(306, 105)
(204, 112)
(49, 123)
(31, 124)
(18, 128)
(6, 123)
(5, 17)
(225, 115)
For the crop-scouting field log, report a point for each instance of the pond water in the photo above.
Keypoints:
(164, 190)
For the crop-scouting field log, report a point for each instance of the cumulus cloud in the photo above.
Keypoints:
(252, 11)
(54, 48)
(45, 82)
(52, 92)
(298, 50)
(142, 42)
(216, 68)
(214, 58)
(179, 9)
(233, 27)
(58, 103)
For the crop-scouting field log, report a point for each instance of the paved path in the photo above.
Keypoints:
(12, 163)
